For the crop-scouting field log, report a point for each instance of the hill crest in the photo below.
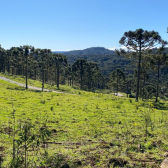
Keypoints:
(91, 50)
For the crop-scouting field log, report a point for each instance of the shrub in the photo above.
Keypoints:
(42, 102)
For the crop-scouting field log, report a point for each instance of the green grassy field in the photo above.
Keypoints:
(82, 130)
(37, 83)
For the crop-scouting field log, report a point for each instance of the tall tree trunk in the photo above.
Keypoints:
(138, 77)
(143, 91)
(26, 73)
(140, 87)
(55, 73)
(4, 69)
(12, 70)
(42, 78)
(8, 65)
(68, 81)
(117, 83)
(127, 88)
(72, 80)
(157, 87)
(81, 82)
(81, 77)
(58, 75)
(35, 73)
(4, 63)
(46, 78)
(23, 70)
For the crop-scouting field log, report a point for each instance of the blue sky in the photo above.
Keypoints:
(78, 24)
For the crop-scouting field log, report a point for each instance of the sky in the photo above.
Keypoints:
(62, 25)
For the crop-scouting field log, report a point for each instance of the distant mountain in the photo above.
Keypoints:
(92, 50)
(106, 59)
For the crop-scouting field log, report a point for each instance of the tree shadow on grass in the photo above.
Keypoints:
(22, 89)
(31, 90)
(16, 88)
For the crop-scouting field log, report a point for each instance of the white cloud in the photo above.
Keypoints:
(123, 47)
(66, 50)
(112, 48)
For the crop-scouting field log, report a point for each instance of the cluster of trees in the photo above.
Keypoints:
(53, 68)
(140, 45)
(50, 67)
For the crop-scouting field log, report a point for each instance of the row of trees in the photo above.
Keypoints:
(53, 68)
(50, 67)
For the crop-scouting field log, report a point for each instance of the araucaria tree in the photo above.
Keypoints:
(87, 74)
(78, 68)
(60, 61)
(138, 42)
(44, 55)
(117, 77)
(158, 58)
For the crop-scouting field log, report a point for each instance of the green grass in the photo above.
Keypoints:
(37, 83)
(87, 129)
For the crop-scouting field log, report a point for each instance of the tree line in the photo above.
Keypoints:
(145, 48)
(50, 67)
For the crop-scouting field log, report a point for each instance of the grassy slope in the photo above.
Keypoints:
(94, 128)
(37, 83)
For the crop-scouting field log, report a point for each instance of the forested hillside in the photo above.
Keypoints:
(88, 69)
(106, 59)
(92, 50)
